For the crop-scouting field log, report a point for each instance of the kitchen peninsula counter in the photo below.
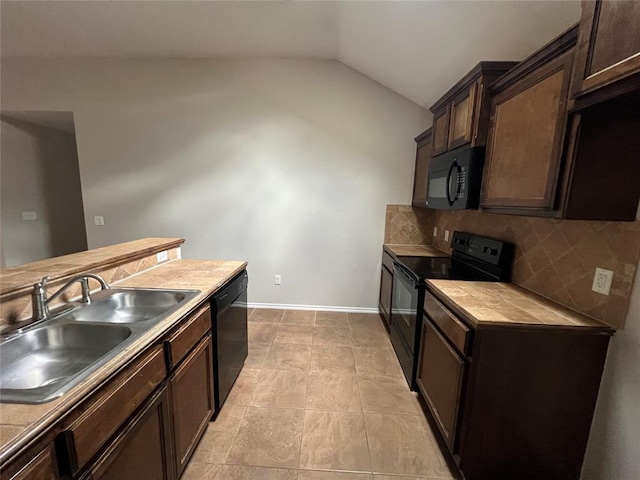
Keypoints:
(23, 424)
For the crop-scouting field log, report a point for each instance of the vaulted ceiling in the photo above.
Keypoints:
(418, 49)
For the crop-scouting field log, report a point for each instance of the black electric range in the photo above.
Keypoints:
(474, 258)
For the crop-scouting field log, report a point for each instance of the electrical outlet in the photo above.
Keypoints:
(435, 231)
(162, 256)
(98, 220)
(446, 235)
(29, 216)
(277, 279)
(602, 281)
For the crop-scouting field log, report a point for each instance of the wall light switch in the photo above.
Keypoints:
(29, 216)
(277, 279)
(98, 220)
(435, 231)
(446, 235)
(602, 281)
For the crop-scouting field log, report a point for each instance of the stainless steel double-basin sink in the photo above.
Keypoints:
(46, 360)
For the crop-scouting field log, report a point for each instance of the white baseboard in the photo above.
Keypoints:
(322, 308)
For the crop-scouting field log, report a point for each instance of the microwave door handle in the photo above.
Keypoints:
(449, 200)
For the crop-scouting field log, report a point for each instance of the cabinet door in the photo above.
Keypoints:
(462, 114)
(142, 450)
(439, 378)
(192, 401)
(386, 286)
(526, 139)
(608, 45)
(421, 172)
(440, 131)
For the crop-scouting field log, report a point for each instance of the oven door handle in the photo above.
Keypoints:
(407, 276)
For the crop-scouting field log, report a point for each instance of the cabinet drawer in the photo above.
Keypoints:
(187, 336)
(42, 467)
(387, 261)
(456, 332)
(112, 407)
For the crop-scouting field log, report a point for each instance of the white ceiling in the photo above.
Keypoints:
(418, 49)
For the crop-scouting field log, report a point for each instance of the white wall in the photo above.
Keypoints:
(613, 452)
(39, 173)
(285, 163)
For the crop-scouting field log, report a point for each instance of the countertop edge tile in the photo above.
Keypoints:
(467, 296)
(404, 250)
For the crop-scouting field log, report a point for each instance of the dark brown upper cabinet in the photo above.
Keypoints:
(607, 61)
(542, 160)
(461, 115)
(527, 126)
(421, 171)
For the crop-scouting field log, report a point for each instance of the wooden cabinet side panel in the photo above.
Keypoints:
(421, 172)
(192, 401)
(530, 402)
(526, 140)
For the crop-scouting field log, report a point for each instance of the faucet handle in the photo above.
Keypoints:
(43, 282)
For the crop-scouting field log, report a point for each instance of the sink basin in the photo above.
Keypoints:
(46, 360)
(131, 305)
(37, 364)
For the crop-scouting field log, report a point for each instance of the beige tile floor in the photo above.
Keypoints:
(321, 397)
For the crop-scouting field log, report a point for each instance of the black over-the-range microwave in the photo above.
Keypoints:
(455, 178)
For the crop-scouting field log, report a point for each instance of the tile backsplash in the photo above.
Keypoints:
(406, 225)
(554, 258)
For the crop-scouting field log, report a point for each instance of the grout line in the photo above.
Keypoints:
(364, 422)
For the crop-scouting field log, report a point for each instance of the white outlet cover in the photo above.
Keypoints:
(98, 220)
(435, 231)
(277, 279)
(602, 281)
(29, 215)
(162, 256)
(446, 235)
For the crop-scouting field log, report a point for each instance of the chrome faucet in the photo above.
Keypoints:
(40, 302)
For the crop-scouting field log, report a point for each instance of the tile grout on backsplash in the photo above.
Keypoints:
(554, 258)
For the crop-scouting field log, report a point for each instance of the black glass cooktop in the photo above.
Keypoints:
(441, 268)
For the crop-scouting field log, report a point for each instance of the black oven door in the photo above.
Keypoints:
(404, 305)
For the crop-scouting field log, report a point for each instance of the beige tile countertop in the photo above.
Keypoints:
(21, 423)
(414, 250)
(495, 303)
(21, 277)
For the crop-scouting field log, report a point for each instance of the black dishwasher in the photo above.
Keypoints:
(230, 343)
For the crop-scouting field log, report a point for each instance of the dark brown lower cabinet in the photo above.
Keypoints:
(441, 386)
(192, 401)
(142, 449)
(511, 401)
(43, 466)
